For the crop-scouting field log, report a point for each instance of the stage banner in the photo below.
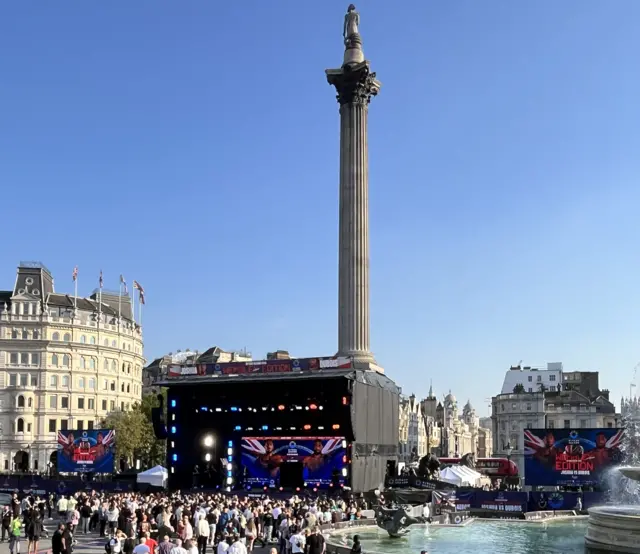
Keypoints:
(454, 500)
(412, 481)
(573, 457)
(86, 451)
(263, 458)
(555, 500)
(262, 366)
(500, 501)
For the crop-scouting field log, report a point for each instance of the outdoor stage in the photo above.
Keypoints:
(305, 423)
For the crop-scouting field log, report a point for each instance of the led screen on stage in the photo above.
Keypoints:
(262, 458)
(84, 451)
(570, 456)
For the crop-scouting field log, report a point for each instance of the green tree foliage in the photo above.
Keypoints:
(518, 389)
(135, 439)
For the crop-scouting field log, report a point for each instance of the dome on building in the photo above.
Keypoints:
(468, 407)
(450, 399)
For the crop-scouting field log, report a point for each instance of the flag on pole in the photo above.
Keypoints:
(124, 284)
(100, 278)
(75, 273)
(140, 290)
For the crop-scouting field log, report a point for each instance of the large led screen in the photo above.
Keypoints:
(86, 451)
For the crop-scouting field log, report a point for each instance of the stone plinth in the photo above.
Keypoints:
(613, 529)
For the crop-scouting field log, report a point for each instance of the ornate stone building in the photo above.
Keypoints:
(65, 363)
(413, 431)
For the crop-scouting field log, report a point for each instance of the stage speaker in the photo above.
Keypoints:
(157, 418)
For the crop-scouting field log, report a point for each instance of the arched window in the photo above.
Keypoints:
(83, 363)
(92, 340)
(65, 380)
(106, 364)
(113, 343)
(55, 336)
(20, 401)
(66, 360)
(30, 402)
(114, 365)
(92, 383)
(67, 337)
(54, 380)
(83, 339)
(54, 360)
(25, 334)
(128, 389)
(128, 368)
(81, 382)
(20, 425)
(122, 387)
(36, 334)
(106, 342)
(123, 367)
(92, 363)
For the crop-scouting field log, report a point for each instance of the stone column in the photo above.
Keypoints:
(355, 85)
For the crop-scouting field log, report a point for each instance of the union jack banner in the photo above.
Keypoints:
(140, 290)
(75, 273)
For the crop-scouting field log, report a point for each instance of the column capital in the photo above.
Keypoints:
(355, 83)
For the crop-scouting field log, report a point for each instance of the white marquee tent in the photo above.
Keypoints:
(461, 476)
(156, 477)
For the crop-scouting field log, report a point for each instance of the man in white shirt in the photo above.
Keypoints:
(237, 547)
(298, 540)
(178, 548)
(202, 532)
(223, 546)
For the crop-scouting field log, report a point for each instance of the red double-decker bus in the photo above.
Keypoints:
(493, 467)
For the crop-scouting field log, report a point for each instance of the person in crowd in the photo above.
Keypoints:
(57, 541)
(202, 532)
(151, 543)
(223, 545)
(130, 542)
(165, 546)
(142, 548)
(68, 540)
(34, 531)
(15, 532)
(6, 522)
(236, 546)
(356, 547)
(316, 542)
(178, 548)
(191, 547)
(298, 540)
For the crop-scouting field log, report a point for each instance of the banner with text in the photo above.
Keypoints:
(570, 456)
(86, 451)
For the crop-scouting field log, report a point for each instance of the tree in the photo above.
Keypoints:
(135, 439)
(518, 389)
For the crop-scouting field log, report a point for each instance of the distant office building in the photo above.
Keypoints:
(65, 363)
(532, 379)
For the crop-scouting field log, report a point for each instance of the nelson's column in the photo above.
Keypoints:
(355, 84)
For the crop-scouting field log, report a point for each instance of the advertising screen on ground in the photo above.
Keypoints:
(570, 456)
(86, 451)
(319, 459)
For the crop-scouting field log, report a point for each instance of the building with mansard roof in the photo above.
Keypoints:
(65, 363)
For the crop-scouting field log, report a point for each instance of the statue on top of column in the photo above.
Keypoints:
(351, 22)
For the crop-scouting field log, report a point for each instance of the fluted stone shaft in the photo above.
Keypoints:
(355, 85)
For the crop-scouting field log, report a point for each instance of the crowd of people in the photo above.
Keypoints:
(192, 523)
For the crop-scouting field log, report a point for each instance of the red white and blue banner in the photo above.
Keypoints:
(261, 366)
(573, 457)
(86, 451)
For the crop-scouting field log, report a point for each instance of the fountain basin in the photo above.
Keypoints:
(613, 529)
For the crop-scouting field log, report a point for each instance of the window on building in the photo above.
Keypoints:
(24, 380)
(66, 361)
(80, 403)
(29, 402)
(106, 342)
(28, 427)
(113, 385)
(530, 378)
(53, 381)
(92, 363)
(113, 343)
(64, 402)
(552, 377)
(514, 406)
(122, 406)
(104, 405)
(13, 380)
(80, 425)
(64, 424)
(539, 378)
(105, 364)
(128, 388)
(83, 339)
(114, 365)
(6, 465)
(90, 425)
(20, 425)
(67, 337)
(25, 334)
(24, 358)
(13, 358)
(54, 360)
(65, 380)
(83, 363)
(81, 382)
(91, 403)
(52, 426)
(551, 424)
(35, 358)
(583, 423)
(129, 368)
(20, 401)
(609, 424)
(55, 336)
(105, 384)
(112, 405)
(53, 401)
(34, 380)
(567, 424)
(529, 406)
(35, 465)
(36, 334)
(92, 383)
(92, 340)
(14, 334)
(122, 387)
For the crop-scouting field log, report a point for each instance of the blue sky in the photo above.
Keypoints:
(194, 146)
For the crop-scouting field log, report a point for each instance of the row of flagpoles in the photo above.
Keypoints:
(123, 288)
